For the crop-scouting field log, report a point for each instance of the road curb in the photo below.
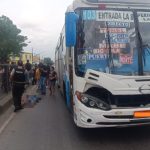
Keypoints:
(6, 122)
(5, 103)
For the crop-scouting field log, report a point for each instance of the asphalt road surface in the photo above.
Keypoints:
(49, 126)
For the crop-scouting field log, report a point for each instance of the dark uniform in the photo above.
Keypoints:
(18, 87)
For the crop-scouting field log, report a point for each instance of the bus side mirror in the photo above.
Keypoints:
(70, 28)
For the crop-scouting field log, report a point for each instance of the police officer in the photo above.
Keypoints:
(17, 76)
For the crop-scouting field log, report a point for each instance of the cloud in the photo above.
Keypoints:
(40, 20)
(27, 25)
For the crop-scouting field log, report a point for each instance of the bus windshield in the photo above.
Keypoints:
(107, 41)
(144, 26)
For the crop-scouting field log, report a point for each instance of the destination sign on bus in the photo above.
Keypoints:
(118, 24)
(119, 38)
(107, 15)
(96, 56)
(116, 45)
(126, 59)
(113, 30)
(106, 50)
(144, 16)
(122, 16)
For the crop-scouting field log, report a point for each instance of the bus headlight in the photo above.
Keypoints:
(92, 102)
(84, 99)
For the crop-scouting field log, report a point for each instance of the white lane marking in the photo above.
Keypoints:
(7, 122)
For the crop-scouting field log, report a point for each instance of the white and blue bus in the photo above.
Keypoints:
(103, 62)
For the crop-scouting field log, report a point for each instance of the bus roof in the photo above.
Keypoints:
(138, 4)
(118, 1)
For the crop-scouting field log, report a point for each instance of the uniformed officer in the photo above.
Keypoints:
(17, 76)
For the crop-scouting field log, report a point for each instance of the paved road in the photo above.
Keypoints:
(49, 126)
(3, 94)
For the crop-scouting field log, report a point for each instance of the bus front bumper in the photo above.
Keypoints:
(91, 118)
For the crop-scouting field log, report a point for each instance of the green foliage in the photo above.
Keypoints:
(11, 42)
(48, 61)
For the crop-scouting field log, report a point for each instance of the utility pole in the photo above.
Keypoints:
(32, 55)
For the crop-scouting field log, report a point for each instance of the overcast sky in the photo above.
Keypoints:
(40, 20)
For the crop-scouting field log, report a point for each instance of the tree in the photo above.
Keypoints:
(11, 42)
(48, 61)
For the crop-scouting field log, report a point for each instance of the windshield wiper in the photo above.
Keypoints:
(111, 63)
(141, 45)
(141, 53)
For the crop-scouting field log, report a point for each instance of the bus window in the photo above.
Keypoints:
(144, 26)
(104, 32)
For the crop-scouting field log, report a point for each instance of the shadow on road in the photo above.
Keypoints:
(116, 138)
(138, 132)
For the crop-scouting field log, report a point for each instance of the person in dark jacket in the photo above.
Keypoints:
(17, 77)
(43, 71)
(52, 80)
(28, 68)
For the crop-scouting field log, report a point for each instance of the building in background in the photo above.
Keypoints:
(36, 59)
(24, 56)
(14, 59)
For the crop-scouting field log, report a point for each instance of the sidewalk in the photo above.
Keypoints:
(42, 127)
(6, 105)
(6, 98)
(3, 94)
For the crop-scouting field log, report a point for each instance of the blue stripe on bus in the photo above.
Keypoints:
(67, 90)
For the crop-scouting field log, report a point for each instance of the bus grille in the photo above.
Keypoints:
(117, 101)
(131, 100)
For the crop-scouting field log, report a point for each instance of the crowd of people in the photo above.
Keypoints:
(45, 76)
(41, 75)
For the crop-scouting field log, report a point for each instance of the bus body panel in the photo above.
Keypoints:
(115, 85)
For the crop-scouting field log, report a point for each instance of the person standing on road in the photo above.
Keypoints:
(34, 75)
(37, 77)
(43, 70)
(17, 77)
(52, 80)
(12, 66)
(28, 67)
